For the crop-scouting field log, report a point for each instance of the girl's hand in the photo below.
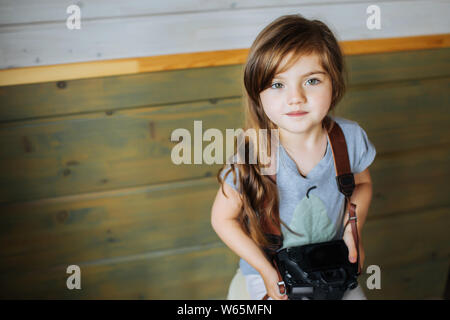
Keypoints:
(270, 277)
(350, 242)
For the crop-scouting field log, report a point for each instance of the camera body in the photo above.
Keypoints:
(319, 271)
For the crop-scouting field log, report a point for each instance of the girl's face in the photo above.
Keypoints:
(300, 97)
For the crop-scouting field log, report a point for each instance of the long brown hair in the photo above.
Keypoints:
(286, 34)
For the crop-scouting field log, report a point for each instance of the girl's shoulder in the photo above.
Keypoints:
(359, 147)
(347, 123)
(231, 177)
(351, 129)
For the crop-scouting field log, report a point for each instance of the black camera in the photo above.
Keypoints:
(319, 271)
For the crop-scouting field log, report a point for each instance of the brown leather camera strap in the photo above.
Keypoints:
(345, 182)
(344, 176)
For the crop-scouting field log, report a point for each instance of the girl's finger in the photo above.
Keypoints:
(348, 239)
(278, 295)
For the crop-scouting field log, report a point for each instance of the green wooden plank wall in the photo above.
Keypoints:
(86, 178)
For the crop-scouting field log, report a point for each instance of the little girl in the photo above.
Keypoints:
(294, 78)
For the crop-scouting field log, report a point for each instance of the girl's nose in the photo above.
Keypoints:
(296, 96)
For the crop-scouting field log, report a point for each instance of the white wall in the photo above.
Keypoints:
(35, 33)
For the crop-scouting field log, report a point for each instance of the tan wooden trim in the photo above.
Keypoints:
(94, 69)
(395, 44)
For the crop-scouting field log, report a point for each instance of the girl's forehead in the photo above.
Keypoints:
(306, 59)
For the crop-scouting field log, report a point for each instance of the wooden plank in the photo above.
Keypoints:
(195, 31)
(115, 67)
(412, 252)
(22, 11)
(396, 44)
(413, 281)
(198, 274)
(398, 66)
(115, 93)
(71, 230)
(51, 232)
(112, 93)
(96, 152)
(186, 273)
(403, 238)
(408, 181)
(402, 115)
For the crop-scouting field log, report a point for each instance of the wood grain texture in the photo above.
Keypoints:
(398, 66)
(86, 179)
(393, 112)
(110, 94)
(95, 152)
(153, 88)
(412, 268)
(416, 280)
(412, 252)
(46, 234)
(105, 225)
(197, 273)
(403, 238)
(400, 187)
(22, 11)
(115, 67)
(61, 231)
(121, 36)
(396, 44)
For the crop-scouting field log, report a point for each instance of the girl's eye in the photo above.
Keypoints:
(276, 87)
(316, 81)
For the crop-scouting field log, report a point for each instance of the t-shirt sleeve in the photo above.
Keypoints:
(364, 151)
(230, 177)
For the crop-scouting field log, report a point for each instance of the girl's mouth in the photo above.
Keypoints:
(296, 113)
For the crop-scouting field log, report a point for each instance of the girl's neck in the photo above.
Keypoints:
(297, 143)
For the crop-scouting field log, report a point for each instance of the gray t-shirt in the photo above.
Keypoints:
(312, 206)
